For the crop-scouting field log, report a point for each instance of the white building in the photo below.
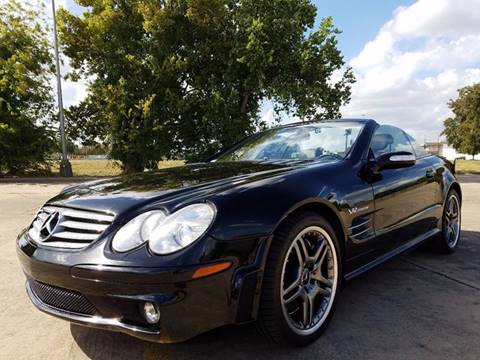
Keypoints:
(449, 152)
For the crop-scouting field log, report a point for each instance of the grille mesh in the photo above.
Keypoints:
(63, 299)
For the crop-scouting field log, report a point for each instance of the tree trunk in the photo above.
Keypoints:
(243, 107)
(131, 166)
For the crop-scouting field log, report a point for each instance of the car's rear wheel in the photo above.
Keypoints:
(301, 281)
(447, 241)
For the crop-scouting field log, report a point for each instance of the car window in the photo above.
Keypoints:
(419, 150)
(321, 141)
(388, 139)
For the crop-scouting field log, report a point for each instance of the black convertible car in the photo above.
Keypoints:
(264, 231)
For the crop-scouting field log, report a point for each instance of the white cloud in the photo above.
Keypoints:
(416, 63)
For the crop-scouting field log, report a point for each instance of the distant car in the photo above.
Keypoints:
(460, 158)
(264, 231)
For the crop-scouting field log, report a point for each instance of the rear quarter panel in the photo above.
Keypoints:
(449, 177)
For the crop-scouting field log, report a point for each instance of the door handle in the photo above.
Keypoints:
(430, 173)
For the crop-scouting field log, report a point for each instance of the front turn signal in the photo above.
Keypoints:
(211, 269)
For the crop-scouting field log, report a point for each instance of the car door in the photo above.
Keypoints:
(400, 195)
(432, 184)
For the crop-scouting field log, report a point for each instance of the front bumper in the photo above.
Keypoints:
(93, 321)
(117, 293)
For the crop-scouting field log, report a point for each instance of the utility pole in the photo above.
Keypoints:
(347, 133)
(65, 166)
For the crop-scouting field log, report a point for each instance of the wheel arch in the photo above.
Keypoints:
(322, 208)
(455, 186)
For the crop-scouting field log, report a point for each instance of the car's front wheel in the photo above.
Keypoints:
(301, 280)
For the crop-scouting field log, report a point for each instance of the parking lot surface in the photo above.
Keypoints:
(417, 306)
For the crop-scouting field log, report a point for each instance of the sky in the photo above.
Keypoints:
(409, 58)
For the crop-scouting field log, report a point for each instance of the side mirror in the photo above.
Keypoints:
(395, 160)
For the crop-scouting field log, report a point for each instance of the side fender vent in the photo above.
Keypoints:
(361, 229)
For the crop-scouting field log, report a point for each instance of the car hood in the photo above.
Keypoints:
(178, 184)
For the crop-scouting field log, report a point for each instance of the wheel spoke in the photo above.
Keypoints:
(454, 213)
(449, 231)
(453, 230)
(295, 284)
(307, 310)
(299, 255)
(320, 253)
(299, 292)
(320, 257)
(321, 279)
(302, 246)
(308, 304)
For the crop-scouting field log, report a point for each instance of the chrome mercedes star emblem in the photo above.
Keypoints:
(48, 226)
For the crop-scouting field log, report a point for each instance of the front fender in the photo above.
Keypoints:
(256, 209)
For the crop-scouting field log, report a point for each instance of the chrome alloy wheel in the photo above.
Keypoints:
(452, 221)
(309, 280)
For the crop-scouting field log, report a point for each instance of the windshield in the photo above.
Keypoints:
(317, 141)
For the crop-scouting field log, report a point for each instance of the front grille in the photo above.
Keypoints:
(62, 299)
(68, 228)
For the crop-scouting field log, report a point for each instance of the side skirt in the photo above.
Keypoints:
(391, 254)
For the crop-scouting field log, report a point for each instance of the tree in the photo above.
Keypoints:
(26, 101)
(183, 78)
(463, 129)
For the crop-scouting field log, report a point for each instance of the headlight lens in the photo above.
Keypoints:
(165, 234)
(181, 228)
(135, 232)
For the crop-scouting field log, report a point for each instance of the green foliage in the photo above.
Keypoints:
(463, 129)
(25, 98)
(183, 78)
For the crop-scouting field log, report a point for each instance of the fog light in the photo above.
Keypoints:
(151, 313)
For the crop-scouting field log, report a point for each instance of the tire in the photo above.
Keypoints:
(319, 279)
(447, 241)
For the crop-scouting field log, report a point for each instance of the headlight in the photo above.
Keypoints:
(136, 231)
(181, 228)
(165, 234)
